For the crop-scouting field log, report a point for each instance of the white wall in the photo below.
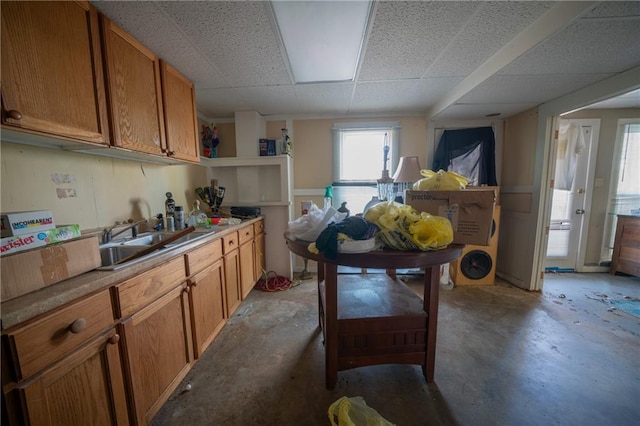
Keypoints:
(88, 190)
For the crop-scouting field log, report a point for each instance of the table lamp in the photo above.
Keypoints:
(407, 173)
(385, 183)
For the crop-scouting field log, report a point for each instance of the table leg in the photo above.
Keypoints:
(431, 288)
(320, 305)
(331, 324)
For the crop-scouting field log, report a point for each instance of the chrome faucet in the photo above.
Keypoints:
(107, 236)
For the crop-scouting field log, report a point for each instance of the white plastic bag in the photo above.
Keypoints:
(307, 227)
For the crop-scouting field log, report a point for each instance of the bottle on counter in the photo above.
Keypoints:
(197, 217)
(169, 205)
(179, 215)
(328, 197)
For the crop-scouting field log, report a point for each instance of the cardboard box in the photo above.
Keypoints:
(21, 223)
(34, 269)
(470, 212)
(20, 243)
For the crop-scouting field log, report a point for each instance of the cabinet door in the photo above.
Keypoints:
(232, 281)
(181, 122)
(247, 268)
(207, 305)
(133, 89)
(259, 261)
(159, 351)
(85, 388)
(52, 78)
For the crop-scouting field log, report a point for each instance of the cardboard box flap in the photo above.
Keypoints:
(470, 212)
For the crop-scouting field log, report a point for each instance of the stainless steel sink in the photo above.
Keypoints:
(146, 239)
(114, 253)
(117, 250)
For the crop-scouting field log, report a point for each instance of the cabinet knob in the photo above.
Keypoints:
(13, 114)
(186, 289)
(78, 325)
(113, 339)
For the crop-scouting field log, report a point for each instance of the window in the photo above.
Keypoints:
(359, 160)
(624, 192)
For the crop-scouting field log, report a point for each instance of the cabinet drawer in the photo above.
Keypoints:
(137, 292)
(258, 227)
(202, 257)
(245, 234)
(53, 336)
(229, 242)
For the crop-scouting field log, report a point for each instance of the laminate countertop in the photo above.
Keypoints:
(31, 305)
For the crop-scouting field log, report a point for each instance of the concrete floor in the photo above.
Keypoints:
(505, 356)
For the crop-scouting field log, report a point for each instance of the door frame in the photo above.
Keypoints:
(589, 184)
(613, 86)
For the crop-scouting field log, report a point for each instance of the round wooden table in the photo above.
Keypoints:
(370, 319)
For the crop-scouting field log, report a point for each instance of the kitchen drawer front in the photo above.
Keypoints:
(258, 227)
(230, 242)
(138, 292)
(53, 336)
(245, 234)
(202, 257)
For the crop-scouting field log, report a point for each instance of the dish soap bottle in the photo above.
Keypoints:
(197, 217)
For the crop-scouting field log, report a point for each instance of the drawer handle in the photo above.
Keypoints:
(78, 325)
(113, 339)
(15, 115)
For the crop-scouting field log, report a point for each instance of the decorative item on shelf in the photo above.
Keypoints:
(210, 141)
(407, 173)
(287, 143)
(385, 183)
(267, 147)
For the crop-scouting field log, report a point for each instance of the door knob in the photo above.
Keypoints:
(579, 211)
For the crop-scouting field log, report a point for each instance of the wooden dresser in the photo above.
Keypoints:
(626, 249)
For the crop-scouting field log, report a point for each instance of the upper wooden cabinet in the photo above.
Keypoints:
(134, 92)
(181, 122)
(52, 74)
(73, 79)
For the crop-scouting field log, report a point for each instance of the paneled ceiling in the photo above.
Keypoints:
(450, 60)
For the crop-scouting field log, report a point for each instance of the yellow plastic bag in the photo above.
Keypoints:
(355, 412)
(440, 181)
(404, 228)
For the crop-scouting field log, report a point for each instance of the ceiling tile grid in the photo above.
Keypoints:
(415, 55)
(324, 98)
(238, 37)
(587, 46)
(270, 100)
(480, 38)
(407, 37)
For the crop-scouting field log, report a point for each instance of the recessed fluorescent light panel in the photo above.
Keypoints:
(323, 39)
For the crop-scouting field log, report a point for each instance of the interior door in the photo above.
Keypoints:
(576, 145)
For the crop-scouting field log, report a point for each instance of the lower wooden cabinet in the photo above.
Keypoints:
(158, 351)
(85, 388)
(258, 253)
(115, 357)
(207, 297)
(233, 294)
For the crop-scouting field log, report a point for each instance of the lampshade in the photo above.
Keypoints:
(408, 170)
